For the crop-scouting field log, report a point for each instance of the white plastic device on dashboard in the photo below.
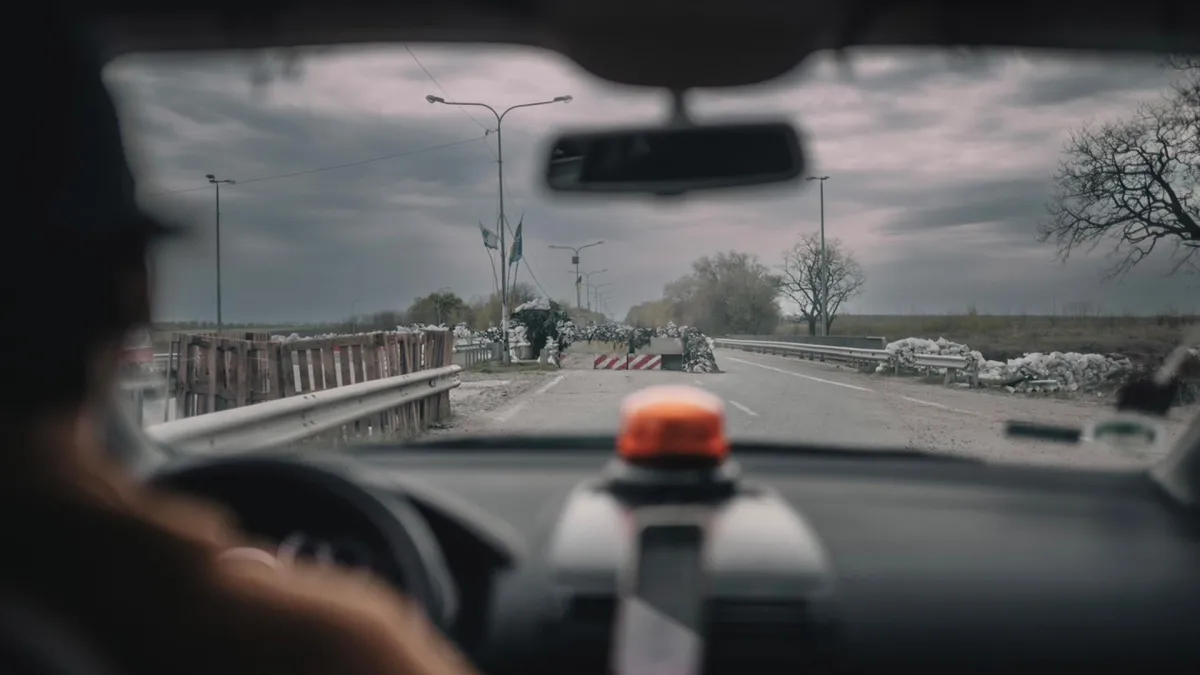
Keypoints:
(659, 623)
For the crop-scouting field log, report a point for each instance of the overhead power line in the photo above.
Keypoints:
(486, 129)
(332, 167)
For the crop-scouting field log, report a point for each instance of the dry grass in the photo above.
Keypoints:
(1004, 337)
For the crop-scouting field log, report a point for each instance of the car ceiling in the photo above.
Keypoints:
(676, 44)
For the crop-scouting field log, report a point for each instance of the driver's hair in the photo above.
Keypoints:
(74, 276)
(70, 302)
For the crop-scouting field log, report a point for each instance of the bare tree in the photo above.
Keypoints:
(801, 278)
(1134, 184)
(1187, 88)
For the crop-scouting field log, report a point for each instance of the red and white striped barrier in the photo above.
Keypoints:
(611, 362)
(645, 362)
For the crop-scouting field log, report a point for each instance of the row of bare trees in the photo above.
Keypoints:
(735, 293)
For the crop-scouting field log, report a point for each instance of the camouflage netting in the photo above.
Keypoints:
(545, 324)
(697, 348)
(540, 320)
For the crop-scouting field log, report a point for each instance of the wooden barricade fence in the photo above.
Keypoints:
(209, 373)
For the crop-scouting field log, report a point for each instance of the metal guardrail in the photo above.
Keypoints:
(855, 341)
(471, 354)
(824, 352)
(283, 421)
(952, 364)
(942, 361)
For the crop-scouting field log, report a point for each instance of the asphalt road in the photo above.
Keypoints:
(779, 398)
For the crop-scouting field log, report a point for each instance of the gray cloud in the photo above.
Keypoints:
(1004, 204)
(355, 194)
(1091, 79)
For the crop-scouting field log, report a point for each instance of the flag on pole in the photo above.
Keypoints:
(514, 256)
(489, 238)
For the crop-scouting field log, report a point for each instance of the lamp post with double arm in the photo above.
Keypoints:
(500, 115)
(575, 261)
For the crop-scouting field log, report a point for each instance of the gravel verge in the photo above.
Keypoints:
(484, 391)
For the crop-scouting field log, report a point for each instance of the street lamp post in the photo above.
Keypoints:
(596, 291)
(588, 283)
(824, 260)
(506, 357)
(575, 261)
(602, 303)
(217, 184)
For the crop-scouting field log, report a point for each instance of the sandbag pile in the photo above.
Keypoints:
(463, 334)
(295, 336)
(1034, 372)
(903, 353)
(697, 348)
(1057, 371)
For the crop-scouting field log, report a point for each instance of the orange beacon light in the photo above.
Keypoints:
(673, 423)
(672, 448)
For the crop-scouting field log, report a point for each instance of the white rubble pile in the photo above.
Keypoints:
(463, 334)
(414, 328)
(1033, 372)
(904, 352)
(1056, 372)
(537, 303)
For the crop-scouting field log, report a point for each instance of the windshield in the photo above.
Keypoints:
(982, 238)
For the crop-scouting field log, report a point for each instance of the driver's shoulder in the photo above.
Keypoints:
(142, 572)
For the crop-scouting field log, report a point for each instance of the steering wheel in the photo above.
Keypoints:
(419, 569)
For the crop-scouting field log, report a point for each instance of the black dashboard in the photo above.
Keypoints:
(817, 560)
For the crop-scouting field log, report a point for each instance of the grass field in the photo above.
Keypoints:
(1003, 337)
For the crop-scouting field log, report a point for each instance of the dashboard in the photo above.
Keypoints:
(816, 560)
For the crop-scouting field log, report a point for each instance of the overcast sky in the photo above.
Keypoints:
(354, 194)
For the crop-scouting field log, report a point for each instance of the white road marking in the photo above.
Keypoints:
(806, 377)
(699, 383)
(508, 414)
(938, 405)
(743, 408)
(854, 387)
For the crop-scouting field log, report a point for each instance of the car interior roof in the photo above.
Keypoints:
(662, 43)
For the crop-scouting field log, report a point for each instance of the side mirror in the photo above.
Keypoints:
(675, 160)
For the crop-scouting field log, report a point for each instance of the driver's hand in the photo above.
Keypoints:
(346, 618)
(252, 556)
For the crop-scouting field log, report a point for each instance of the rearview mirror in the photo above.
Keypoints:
(675, 160)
